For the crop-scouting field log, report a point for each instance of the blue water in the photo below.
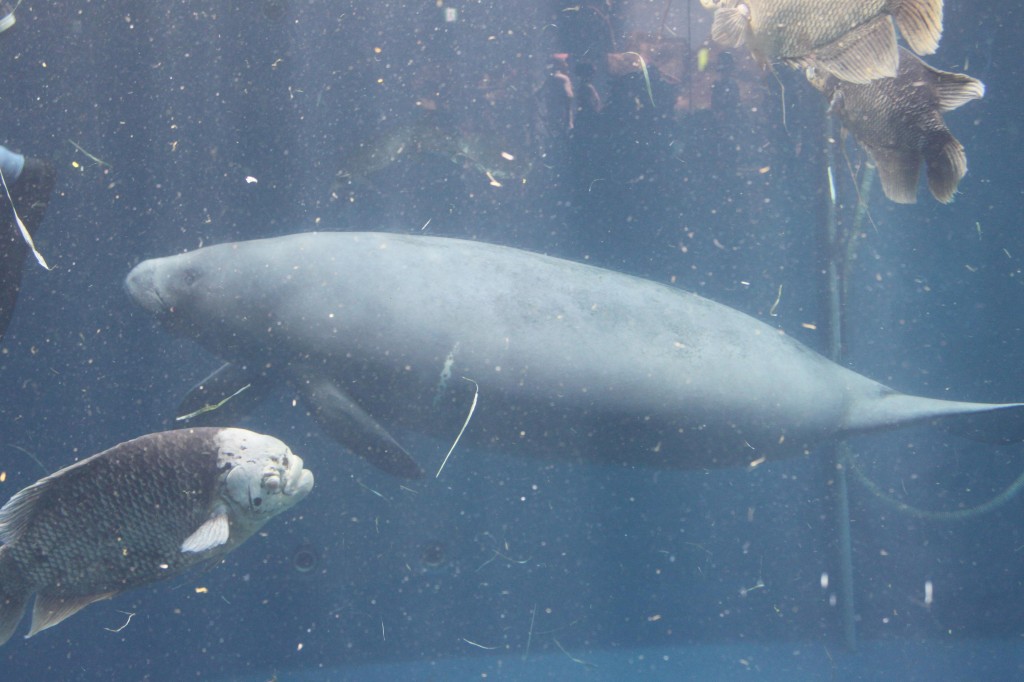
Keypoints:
(518, 568)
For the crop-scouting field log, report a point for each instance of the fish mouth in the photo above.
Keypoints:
(298, 481)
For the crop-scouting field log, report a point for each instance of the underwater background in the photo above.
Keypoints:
(208, 122)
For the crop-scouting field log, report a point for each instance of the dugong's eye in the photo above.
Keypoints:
(190, 277)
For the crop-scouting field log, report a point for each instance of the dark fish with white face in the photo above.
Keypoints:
(142, 511)
(855, 41)
(898, 121)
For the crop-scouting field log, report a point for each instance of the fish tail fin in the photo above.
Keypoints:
(898, 171)
(946, 165)
(920, 22)
(13, 598)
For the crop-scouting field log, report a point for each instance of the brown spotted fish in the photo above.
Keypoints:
(853, 39)
(898, 121)
(139, 512)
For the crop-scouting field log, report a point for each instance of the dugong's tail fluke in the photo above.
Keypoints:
(985, 422)
(1000, 424)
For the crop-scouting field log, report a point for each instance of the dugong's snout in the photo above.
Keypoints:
(140, 284)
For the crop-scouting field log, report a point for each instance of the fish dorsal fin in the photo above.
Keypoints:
(866, 53)
(730, 26)
(955, 89)
(214, 533)
(51, 609)
(920, 22)
(17, 514)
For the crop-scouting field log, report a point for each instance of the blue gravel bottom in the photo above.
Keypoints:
(901, 660)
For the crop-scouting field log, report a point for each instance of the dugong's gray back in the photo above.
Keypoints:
(383, 333)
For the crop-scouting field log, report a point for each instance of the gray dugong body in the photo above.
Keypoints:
(385, 333)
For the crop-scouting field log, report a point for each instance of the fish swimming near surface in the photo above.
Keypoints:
(898, 121)
(142, 511)
(489, 155)
(853, 39)
(386, 335)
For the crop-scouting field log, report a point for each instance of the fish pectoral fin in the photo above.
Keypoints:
(866, 53)
(214, 533)
(350, 425)
(227, 395)
(51, 609)
(730, 25)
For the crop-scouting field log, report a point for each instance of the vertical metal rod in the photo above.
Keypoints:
(689, 59)
(834, 255)
(845, 548)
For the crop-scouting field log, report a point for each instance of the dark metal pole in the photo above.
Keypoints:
(835, 257)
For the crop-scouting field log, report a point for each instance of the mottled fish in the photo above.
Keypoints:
(898, 121)
(855, 41)
(139, 512)
(487, 154)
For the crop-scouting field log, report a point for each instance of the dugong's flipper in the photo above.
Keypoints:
(346, 422)
(224, 397)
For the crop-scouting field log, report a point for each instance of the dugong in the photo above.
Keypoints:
(383, 335)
